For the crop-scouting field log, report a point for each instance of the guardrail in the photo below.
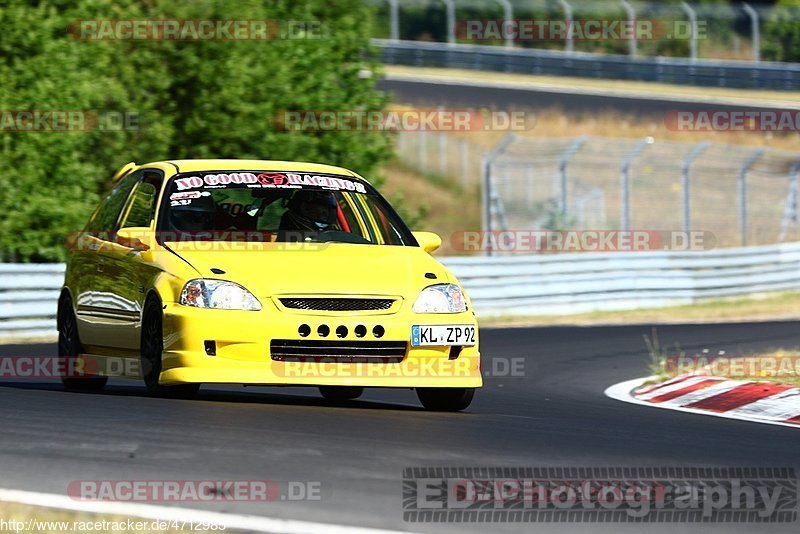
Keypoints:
(574, 283)
(538, 284)
(28, 299)
(703, 72)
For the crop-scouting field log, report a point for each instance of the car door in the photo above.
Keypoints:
(123, 272)
(92, 286)
(130, 271)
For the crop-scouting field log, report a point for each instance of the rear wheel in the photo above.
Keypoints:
(340, 393)
(69, 348)
(152, 352)
(445, 399)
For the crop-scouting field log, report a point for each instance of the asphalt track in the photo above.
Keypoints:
(554, 415)
(422, 93)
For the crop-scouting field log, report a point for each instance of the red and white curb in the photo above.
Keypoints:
(759, 402)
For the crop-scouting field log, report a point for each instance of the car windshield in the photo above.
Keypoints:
(278, 206)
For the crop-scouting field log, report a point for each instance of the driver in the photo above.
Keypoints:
(309, 211)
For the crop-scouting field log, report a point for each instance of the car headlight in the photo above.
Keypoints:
(219, 295)
(440, 298)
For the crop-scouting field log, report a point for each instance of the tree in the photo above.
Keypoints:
(782, 32)
(192, 99)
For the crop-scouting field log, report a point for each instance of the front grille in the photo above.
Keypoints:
(337, 304)
(310, 350)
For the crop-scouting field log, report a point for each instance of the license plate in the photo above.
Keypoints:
(442, 335)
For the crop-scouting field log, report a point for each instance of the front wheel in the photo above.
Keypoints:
(69, 348)
(152, 351)
(445, 399)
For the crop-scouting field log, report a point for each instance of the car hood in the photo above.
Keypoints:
(326, 268)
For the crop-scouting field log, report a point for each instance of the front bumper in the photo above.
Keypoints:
(242, 341)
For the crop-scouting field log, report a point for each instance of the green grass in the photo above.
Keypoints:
(772, 306)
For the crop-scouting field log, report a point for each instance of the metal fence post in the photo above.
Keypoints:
(529, 178)
(508, 14)
(690, 12)
(423, 151)
(486, 205)
(443, 154)
(790, 208)
(569, 46)
(487, 186)
(755, 31)
(686, 167)
(631, 13)
(464, 163)
(562, 170)
(746, 166)
(394, 20)
(450, 8)
(625, 183)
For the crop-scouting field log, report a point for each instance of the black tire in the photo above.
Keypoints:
(445, 399)
(152, 350)
(69, 347)
(340, 393)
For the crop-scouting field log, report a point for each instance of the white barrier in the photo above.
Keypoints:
(538, 284)
(583, 282)
(28, 299)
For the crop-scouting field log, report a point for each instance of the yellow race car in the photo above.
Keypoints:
(262, 272)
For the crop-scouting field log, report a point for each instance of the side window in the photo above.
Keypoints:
(142, 207)
(104, 219)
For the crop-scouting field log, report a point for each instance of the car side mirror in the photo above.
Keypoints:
(429, 241)
(136, 238)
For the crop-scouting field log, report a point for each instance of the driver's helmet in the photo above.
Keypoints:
(313, 211)
(197, 216)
